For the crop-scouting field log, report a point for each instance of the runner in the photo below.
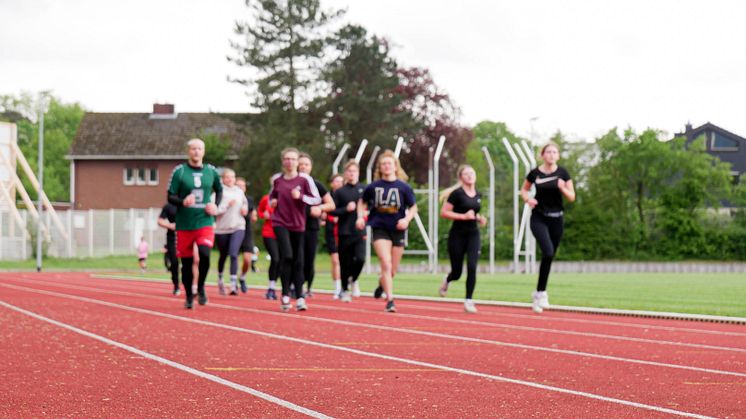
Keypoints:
(230, 227)
(142, 254)
(190, 189)
(392, 206)
(552, 183)
(313, 214)
(270, 243)
(331, 237)
(291, 193)
(167, 220)
(462, 205)
(247, 246)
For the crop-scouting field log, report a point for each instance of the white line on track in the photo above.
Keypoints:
(370, 354)
(491, 314)
(420, 332)
(173, 364)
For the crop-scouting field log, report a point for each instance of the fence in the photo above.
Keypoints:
(93, 233)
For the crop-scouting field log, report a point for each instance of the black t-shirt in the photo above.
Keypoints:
(169, 213)
(312, 223)
(342, 196)
(547, 192)
(462, 203)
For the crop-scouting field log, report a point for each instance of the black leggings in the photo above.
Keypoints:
(548, 233)
(290, 244)
(173, 262)
(460, 244)
(351, 258)
(186, 271)
(310, 244)
(274, 257)
(229, 245)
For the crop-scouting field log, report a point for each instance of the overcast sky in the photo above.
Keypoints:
(582, 67)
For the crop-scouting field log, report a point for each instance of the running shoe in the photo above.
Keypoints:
(443, 287)
(544, 299)
(221, 287)
(300, 304)
(355, 289)
(378, 293)
(336, 295)
(244, 288)
(469, 306)
(202, 299)
(390, 307)
(271, 294)
(177, 291)
(234, 292)
(536, 305)
(285, 305)
(346, 297)
(188, 304)
(308, 294)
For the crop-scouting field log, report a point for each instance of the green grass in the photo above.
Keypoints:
(708, 293)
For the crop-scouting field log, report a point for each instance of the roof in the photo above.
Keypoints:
(139, 136)
(692, 133)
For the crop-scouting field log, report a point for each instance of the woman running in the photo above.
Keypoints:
(462, 205)
(291, 192)
(331, 235)
(230, 228)
(552, 183)
(270, 243)
(392, 206)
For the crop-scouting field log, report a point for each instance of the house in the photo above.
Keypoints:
(124, 160)
(723, 144)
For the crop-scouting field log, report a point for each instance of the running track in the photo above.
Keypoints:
(75, 345)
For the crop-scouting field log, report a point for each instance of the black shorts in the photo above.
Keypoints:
(396, 237)
(247, 245)
(142, 259)
(331, 242)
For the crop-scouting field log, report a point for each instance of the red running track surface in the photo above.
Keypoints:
(75, 345)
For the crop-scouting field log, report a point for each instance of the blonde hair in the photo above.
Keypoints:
(547, 145)
(447, 191)
(194, 140)
(228, 171)
(289, 150)
(352, 162)
(400, 173)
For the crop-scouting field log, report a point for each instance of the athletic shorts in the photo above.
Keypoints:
(142, 259)
(247, 245)
(331, 242)
(185, 240)
(396, 237)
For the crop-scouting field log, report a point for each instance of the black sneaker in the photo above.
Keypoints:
(378, 292)
(202, 299)
(188, 304)
(244, 288)
(390, 307)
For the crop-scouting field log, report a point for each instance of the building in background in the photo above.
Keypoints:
(723, 144)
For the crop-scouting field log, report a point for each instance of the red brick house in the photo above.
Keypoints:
(124, 160)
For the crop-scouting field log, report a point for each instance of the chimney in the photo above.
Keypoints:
(688, 127)
(163, 111)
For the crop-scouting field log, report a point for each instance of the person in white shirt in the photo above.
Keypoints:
(230, 228)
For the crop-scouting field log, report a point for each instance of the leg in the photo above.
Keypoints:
(274, 258)
(174, 264)
(311, 243)
(472, 258)
(540, 229)
(297, 240)
(234, 247)
(383, 251)
(344, 262)
(204, 267)
(223, 243)
(358, 258)
(456, 251)
(286, 259)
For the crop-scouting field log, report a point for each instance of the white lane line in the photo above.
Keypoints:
(268, 397)
(520, 316)
(425, 333)
(371, 354)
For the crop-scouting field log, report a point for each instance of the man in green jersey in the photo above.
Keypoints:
(190, 190)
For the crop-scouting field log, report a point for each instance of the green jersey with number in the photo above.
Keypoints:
(201, 182)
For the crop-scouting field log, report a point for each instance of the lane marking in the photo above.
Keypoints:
(370, 354)
(319, 369)
(268, 397)
(490, 313)
(416, 332)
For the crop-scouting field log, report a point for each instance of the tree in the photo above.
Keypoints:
(60, 125)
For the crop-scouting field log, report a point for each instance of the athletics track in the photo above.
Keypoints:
(76, 345)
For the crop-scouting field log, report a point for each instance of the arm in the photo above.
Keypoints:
(567, 189)
(327, 203)
(531, 202)
(447, 212)
(362, 207)
(163, 222)
(403, 223)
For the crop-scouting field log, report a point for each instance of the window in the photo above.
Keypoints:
(140, 176)
(720, 142)
(736, 177)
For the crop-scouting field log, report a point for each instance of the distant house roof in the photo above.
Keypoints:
(692, 133)
(151, 136)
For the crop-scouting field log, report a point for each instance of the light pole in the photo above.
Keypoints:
(40, 192)
(532, 134)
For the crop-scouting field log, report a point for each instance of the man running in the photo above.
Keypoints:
(190, 189)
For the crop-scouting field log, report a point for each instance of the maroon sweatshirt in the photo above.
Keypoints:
(291, 213)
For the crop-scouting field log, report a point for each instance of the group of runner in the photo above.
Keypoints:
(297, 205)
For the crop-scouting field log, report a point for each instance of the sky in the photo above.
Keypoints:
(580, 67)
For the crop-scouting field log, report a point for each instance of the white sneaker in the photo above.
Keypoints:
(336, 295)
(443, 287)
(469, 306)
(355, 289)
(285, 303)
(346, 297)
(536, 306)
(221, 287)
(300, 304)
(544, 300)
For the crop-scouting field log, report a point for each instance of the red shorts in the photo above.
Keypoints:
(185, 240)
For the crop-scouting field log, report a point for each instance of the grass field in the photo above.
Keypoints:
(708, 293)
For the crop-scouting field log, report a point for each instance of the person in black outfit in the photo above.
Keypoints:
(552, 183)
(313, 213)
(462, 205)
(247, 246)
(351, 245)
(167, 220)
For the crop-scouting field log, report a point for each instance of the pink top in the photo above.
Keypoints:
(142, 249)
